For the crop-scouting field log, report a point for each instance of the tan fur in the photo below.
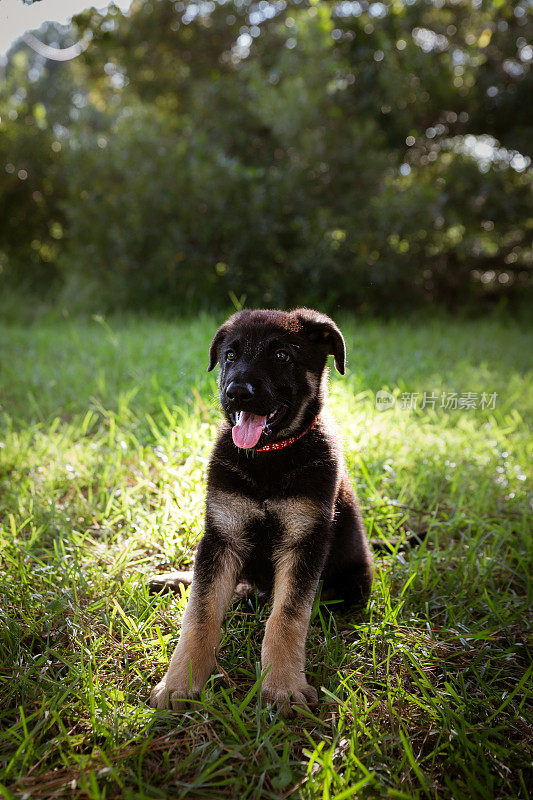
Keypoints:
(297, 515)
(276, 522)
(232, 512)
(194, 656)
(283, 650)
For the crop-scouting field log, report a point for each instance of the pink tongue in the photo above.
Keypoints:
(248, 430)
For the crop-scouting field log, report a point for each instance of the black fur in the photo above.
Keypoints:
(337, 549)
(279, 520)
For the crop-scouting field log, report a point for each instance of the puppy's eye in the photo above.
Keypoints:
(282, 355)
(230, 355)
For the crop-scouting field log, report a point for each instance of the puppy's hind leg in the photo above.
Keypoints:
(347, 575)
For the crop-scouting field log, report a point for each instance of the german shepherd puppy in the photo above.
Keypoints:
(281, 513)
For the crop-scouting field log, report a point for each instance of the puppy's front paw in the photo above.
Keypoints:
(288, 696)
(172, 694)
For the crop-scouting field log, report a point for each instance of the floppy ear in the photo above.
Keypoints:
(215, 344)
(322, 330)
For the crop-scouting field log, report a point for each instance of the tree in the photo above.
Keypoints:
(361, 153)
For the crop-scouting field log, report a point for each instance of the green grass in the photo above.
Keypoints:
(106, 430)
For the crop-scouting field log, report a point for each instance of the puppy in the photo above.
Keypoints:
(281, 513)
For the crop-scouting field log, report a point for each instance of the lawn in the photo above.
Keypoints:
(106, 426)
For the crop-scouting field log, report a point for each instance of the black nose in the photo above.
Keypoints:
(239, 392)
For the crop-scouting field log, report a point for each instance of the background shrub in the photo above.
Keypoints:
(369, 155)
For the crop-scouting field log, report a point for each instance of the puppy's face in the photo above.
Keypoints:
(271, 371)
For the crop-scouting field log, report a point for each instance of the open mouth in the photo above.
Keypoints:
(248, 427)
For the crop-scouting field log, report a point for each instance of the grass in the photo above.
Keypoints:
(106, 428)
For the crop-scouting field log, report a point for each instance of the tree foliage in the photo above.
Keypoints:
(368, 154)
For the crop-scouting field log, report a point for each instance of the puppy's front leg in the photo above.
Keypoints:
(193, 660)
(283, 651)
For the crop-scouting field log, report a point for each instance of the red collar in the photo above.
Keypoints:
(285, 442)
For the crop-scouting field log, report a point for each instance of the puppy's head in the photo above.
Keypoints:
(272, 365)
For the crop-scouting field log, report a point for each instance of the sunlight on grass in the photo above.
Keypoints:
(106, 431)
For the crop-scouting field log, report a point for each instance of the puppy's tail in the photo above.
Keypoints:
(170, 581)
